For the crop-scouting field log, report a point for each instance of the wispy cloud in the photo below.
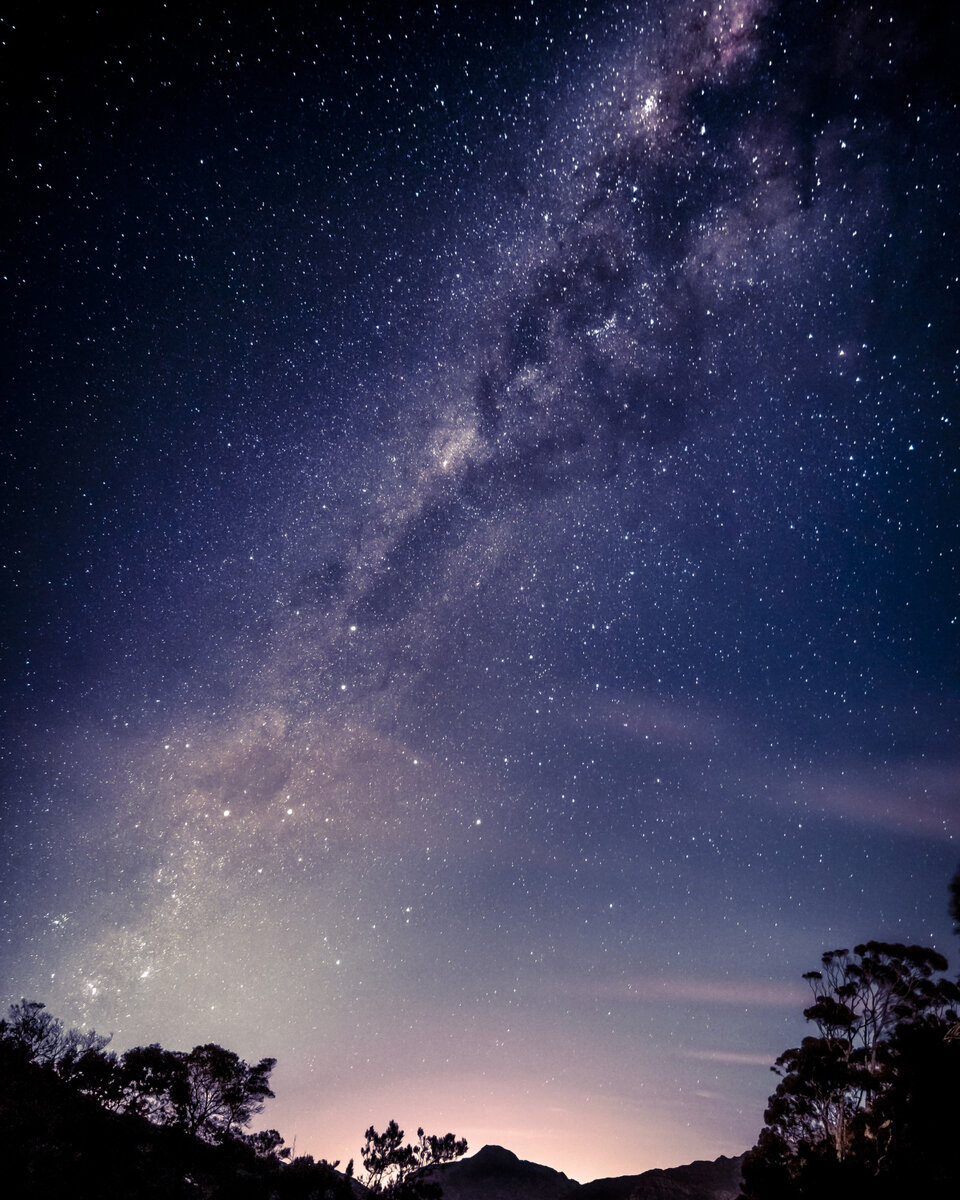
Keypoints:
(701, 990)
(662, 723)
(918, 798)
(731, 1057)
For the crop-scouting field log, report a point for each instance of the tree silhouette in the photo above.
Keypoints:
(43, 1039)
(209, 1092)
(393, 1167)
(157, 1124)
(152, 1124)
(149, 1076)
(836, 1120)
(268, 1143)
(216, 1093)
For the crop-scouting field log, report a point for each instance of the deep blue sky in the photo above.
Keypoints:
(479, 545)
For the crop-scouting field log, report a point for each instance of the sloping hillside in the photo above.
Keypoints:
(495, 1173)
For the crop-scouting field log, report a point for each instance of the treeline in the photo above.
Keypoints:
(869, 1106)
(208, 1092)
(78, 1118)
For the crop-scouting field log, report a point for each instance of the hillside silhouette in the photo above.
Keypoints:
(864, 1107)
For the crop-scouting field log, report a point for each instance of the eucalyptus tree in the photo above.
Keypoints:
(829, 1117)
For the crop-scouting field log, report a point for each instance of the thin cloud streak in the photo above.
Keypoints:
(735, 1058)
(654, 720)
(919, 799)
(692, 990)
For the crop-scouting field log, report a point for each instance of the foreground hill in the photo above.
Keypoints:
(57, 1143)
(494, 1173)
(717, 1179)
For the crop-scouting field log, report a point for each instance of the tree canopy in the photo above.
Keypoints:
(850, 1110)
(208, 1092)
(165, 1123)
(43, 1039)
(393, 1167)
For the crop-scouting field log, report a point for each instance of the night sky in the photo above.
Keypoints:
(480, 598)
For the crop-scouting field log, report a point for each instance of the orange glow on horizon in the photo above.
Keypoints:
(586, 1136)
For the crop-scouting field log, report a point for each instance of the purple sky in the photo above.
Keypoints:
(479, 546)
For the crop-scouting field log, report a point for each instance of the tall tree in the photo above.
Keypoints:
(216, 1093)
(210, 1092)
(827, 1123)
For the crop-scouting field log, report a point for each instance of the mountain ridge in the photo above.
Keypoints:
(496, 1173)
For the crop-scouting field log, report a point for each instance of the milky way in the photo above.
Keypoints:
(479, 546)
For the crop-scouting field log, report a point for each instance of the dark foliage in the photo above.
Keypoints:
(865, 1108)
(156, 1123)
(395, 1169)
(55, 1141)
(152, 1125)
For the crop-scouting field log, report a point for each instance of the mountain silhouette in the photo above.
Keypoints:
(495, 1173)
